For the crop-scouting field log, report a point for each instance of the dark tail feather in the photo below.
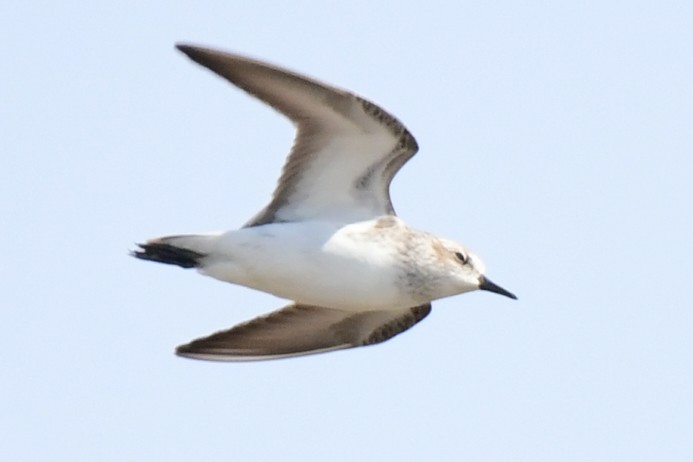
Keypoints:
(166, 253)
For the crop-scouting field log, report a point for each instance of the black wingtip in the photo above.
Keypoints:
(195, 52)
(184, 47)
(204, 56)
(184, 351)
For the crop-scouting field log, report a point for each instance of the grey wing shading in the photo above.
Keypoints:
(346, 150)
(298, 330)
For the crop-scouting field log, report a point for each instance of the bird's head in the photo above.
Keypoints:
(465, 270)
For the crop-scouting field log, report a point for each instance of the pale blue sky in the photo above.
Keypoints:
(556, 141)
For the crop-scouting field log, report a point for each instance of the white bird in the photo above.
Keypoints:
(329, 240)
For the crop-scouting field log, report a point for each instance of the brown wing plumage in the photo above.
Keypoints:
(346, 149)
(298, 330)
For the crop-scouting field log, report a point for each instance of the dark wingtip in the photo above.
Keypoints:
(200, 55)
(184, 47)
(192, 350)
(184, 350)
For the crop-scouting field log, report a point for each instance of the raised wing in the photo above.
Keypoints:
(346, 149)
(298, 330)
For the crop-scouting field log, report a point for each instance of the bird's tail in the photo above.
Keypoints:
(186, 251)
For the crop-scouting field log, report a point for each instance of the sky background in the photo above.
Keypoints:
(556, 142)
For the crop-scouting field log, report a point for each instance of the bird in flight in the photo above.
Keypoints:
(329, 239)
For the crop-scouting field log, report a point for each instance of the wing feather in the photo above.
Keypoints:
(298, 330)
(346, 150)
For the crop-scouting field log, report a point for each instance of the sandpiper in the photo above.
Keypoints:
(329, 240)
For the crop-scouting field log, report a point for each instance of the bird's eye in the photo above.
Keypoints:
(462, 257)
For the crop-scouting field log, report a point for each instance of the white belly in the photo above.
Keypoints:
(313, 263)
